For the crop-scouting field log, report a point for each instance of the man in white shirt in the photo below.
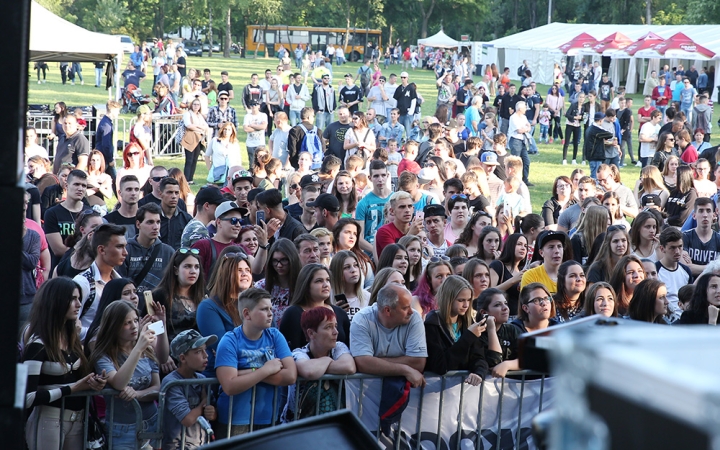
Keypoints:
(390, 88)
(254, 125)
(519, 139)
(649, 137)
(196, 93)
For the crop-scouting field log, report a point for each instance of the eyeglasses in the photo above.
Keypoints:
(615, 228)
(562, 186)
(540, 301)
(158, 179)
(234, 221)
(185, 251)
(439, 258)
(670, 139)
(280, 262)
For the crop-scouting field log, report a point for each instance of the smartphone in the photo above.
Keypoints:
(420, 215)
(149, 303)
(507, 211)
(340, 299)
(157, 327)
(259, 217)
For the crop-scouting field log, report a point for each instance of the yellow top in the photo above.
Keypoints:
(539, 275)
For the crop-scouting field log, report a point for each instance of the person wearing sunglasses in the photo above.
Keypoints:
(157, 174)
(537, 309)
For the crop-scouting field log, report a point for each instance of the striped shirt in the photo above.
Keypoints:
(49, 381)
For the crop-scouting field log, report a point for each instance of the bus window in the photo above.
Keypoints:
(270, 37)
(333, 39)
(299, 37)
(318, 40)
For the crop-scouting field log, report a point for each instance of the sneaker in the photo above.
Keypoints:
(574, 163)
(73, 83)
(563, 142)
(639, 164)
(584, 163)
(529, 184)
(564, 162)
(82, 83)
(550, 141)
(39, 82)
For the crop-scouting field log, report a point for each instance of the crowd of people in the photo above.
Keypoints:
(414, 235)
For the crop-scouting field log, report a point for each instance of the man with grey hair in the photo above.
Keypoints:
(308, 246)
(389, 337)
(519, 138)
(473, 116)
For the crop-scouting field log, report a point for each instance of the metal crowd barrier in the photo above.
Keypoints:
(522, 376)
(43, 126)
(164, 142)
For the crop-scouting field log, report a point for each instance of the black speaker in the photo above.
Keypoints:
(333, 431)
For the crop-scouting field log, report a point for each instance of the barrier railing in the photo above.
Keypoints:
(410, 437)
(43, 126)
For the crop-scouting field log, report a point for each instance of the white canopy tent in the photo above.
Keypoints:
(539, 47)
(440, 40)
(55, 39)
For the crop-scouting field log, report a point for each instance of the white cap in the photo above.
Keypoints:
(403, 74)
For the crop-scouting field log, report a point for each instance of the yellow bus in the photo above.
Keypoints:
(318, 38)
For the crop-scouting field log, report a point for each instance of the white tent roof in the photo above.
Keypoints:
(550, 37)
(440, 40)
(56, 39)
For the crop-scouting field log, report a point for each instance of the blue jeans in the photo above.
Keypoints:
(614, 160)
(124, 435)
(406, 121)
(661, 109)
(323, 119)
(533, 146)
(519, 148)
(298, 63)
(687, 111)
(98, 76)
(294, 117)
(594, 165)
(544, 132)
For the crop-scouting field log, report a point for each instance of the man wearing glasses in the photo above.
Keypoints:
(222, 113)
(406, 98)
(228, 221)
(157, 174)
(324, 103)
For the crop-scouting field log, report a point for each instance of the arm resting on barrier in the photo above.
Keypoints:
(275, 371)
(286, 376)
(389, 366)
(344, 365)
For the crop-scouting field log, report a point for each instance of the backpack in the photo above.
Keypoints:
(364, 77)
(311, 143)
(520, 71)
(701, 121)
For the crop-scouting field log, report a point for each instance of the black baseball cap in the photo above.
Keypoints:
(307, 180)
(326, 201)
(434, 210)
(549, 236)
(209, 194)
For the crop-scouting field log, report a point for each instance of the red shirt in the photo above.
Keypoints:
(386, 235)
(409, 165)
(206, 259)
(642, 112)
(664, 98)
(689, 155)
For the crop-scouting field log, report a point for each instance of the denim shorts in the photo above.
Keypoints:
(124, 435)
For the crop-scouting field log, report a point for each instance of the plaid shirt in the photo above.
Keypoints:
(215, 117)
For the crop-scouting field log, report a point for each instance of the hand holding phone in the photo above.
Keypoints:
(158, 327)
(341, 301)
(259, 217)
(149, 303)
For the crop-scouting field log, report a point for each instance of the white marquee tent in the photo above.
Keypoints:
(539, 47)
(440, 40)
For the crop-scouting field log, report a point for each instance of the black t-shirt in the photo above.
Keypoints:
(604, 90)
(69, 150)
(126, 222)
(150, 198)
(513, 293)
(227, 87)
(479, 203)
(623, 118)
(206, 83)
(701, 253)
(351, 94)
(335, 135)
(58, 219)
(404, 96)
(505, 103)
(183, 70)
(34, 199)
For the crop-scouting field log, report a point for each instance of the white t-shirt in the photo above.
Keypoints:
(255, 138)
(190, 96)
(35, 150)
(378, 104)
(390, 91)
(647, 149)
(517, 121)
(224, 153)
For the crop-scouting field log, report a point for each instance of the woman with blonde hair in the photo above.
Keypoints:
(325, 242)
(194, 123)
(651, 182)
(669, 172)
(454, 340)
(593, 223)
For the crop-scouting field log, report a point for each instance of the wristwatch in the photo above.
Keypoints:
(264, 247)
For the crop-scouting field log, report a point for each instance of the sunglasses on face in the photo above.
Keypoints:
(233, 220)
(192, 251)
(158, 179)
(429, 164)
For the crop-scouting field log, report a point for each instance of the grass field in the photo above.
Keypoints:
(544, 167)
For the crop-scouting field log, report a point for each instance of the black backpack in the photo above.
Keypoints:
(521, 71)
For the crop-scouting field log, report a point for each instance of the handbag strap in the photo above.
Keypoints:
(146, 268)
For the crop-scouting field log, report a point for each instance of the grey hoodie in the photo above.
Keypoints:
(135, 261)
(702, 117)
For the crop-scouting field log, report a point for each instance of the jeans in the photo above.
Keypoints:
(298, 63)
(251, 156)
(614, 160)
(533, 146)
(294, 117)
(191, 158)
(518, 147)
(98, 76)
(43, 429)
(504, 124)
(544, 132)
(575, 133)
(323, 119)
(661, 109)
(688, 112)
(406, 121)
(594, 165)
(124, 434)
(626, 144)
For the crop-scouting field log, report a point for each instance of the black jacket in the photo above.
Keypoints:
(444, 354)
(594, 146)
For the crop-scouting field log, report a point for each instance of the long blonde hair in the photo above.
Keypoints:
(651, 180)
(593, 223)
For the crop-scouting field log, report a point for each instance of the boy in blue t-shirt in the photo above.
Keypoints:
(253, 355)
(185, 404)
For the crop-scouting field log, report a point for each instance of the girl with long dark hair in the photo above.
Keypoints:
(506, 272)
(345, 191)
(281, 276)
(414, 247)
(650, 303)
(493, 303)
(615, 245)
(570, 296)
(705, 303)
(626, 275)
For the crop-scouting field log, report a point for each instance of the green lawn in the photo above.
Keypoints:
(544, 168)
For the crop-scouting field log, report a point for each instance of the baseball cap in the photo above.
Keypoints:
(452, 123)
(226, 207)
(209, 194)
(242, 175)
(425, 176)
(307, 180)
(225, 93)
(144, 109)
(253, 103)
(549, 236)
(348, 75)
(189, 340)
(403, 74)
(651, 200)
(434, 210)
(489, 158)
(326, 201)
(599, 116)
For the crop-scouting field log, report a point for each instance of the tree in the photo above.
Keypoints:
(110, 15)
(425, 12)
(262, 12)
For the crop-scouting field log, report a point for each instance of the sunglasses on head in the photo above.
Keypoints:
(439, 258)
(236, 255)
(612, 228)
(185, 251)
(463, 196)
